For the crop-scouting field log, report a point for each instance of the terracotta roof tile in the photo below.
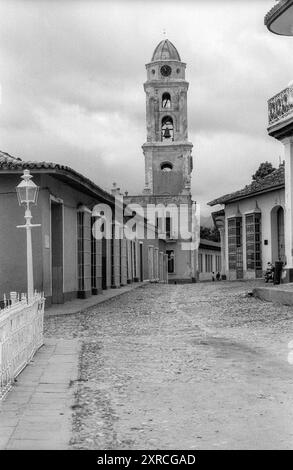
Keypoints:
(210, 243)
(274, 180)
(10, 163)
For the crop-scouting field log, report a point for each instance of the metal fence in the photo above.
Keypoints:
(21, 335)
(280, 105)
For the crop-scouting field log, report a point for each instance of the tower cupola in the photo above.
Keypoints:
(165, 50)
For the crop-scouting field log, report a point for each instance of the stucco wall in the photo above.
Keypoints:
(13, 240)
(70, 199)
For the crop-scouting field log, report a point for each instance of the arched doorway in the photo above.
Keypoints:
(278, 234)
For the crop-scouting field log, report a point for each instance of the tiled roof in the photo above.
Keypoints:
(209, 244)
(281, 6)
(271, 182)
(165, 50)
(5, 158)
(8, 163)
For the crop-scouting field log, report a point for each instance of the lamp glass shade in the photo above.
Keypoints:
(27, 190)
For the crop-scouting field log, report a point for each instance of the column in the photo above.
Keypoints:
(223, 252)
(115, 255)
(288, 213)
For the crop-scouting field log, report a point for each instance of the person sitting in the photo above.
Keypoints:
(269, 274)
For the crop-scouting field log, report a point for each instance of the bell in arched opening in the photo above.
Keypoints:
(167, 128)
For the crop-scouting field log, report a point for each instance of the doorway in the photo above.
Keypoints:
(281, 234)
(278, 234)
(57, 252)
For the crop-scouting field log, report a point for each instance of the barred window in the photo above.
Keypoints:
(93, 257)
(253, 242)
(84, 254)
(80, 249)
(234, 241)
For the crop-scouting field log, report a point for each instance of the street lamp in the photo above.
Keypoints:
(27, 193)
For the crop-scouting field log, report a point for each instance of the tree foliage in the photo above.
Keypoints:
(263, 170)
(208, 233)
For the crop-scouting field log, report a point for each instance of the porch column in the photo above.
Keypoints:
(223, 252)
(288, 213)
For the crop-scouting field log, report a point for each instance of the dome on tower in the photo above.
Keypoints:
(165, 50)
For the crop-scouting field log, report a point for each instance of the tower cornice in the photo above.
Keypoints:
(163, 62)
(166, 83)
(174, 145)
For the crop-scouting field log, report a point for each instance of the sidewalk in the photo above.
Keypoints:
(80, 305)
(36, 413)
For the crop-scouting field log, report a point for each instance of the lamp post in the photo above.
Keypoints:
(27, 193)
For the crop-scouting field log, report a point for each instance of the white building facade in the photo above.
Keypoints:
(252, 227)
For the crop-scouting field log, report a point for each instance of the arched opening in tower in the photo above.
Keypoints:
(167, 130)
(166, 100)
(166, 166)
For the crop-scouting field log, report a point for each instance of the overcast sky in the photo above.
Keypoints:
(72, 76)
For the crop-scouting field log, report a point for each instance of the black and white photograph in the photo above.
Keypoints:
(146, 236)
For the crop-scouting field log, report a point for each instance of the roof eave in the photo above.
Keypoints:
(246, 196)
(72, 176)
(275, 13)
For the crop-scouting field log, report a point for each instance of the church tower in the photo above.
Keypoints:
(168, 160)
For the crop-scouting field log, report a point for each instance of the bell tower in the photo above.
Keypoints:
(168, 160)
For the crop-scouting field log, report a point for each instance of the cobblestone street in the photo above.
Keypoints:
(192, 366)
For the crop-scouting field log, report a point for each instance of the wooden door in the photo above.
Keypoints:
(57, 252)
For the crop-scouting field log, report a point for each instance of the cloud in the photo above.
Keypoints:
(72, 78)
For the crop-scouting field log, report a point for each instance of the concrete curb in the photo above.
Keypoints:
(280, 295)
(82, 305)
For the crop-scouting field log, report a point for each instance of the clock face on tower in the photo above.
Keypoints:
(166, 70)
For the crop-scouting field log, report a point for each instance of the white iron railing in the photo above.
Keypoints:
(280, 105)
(21, 335)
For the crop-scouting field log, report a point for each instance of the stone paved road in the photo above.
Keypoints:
(188, 367)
